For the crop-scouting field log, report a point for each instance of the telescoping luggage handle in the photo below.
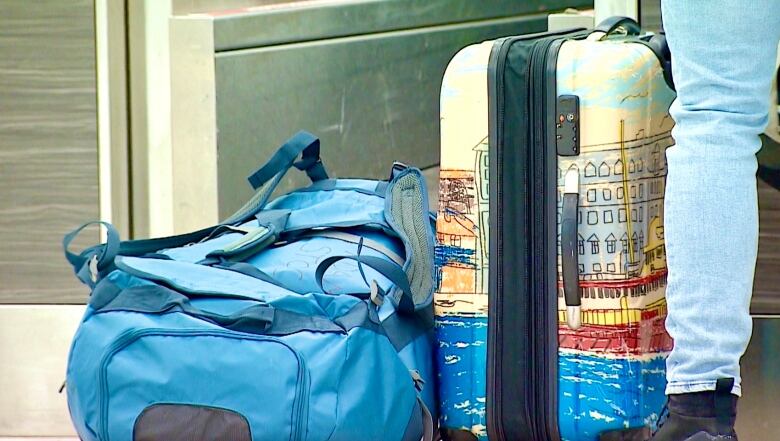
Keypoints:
(569, 253)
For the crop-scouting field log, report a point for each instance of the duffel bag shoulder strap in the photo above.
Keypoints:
(264, 180)
(394, 273)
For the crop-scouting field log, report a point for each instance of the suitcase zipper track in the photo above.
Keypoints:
(544, 272)
(541, 360)
(543, 182)
(496, 64)
(540, 407)
(537, 226)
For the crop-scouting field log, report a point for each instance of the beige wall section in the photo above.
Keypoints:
(571, 18)
(173, 187)
(608, 8)
(193, 123)
(150, 117)
(32, 368)
(110, 38)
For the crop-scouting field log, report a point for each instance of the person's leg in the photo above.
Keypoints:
(723, 54)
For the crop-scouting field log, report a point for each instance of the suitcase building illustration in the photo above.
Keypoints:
(550, 248)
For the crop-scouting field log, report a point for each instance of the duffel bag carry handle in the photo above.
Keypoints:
(93, 261)
(612, 25)
(260, 318)
(393, 272)
(569, 253)
(302, 144)
(265, 179)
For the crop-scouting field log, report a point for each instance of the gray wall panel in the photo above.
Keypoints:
(199, 6)
(48, 150)
(372, 99)
(320, 19)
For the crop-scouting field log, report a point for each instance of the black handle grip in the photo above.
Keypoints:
(569, 255)
(569, 251)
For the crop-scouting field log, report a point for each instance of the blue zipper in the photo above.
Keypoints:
(123, 340)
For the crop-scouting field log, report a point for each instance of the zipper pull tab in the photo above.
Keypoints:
(417, 379)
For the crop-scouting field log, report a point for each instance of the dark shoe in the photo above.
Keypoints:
(700, 416)
(769, 162)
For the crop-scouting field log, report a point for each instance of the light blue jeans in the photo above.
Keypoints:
(723, 57)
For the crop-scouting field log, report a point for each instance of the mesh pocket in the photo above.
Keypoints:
(409, 212)
(183, 422)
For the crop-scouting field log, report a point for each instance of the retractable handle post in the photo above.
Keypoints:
(609, 8)
(602, 10)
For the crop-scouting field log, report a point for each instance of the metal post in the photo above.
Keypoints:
(607, 8)
(571, 18)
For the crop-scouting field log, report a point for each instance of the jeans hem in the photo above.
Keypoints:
(684, 387)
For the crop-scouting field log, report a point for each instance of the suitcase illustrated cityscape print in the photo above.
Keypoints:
(611, 369)
(461, 299)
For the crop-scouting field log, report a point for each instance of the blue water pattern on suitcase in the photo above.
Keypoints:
(590, 394)
(447, 254)
(462, 357)
(592, 400)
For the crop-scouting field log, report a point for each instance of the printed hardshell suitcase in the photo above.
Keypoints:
(578, 360)
(461, 299)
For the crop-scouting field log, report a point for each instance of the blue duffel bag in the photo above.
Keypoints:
(308, 317)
